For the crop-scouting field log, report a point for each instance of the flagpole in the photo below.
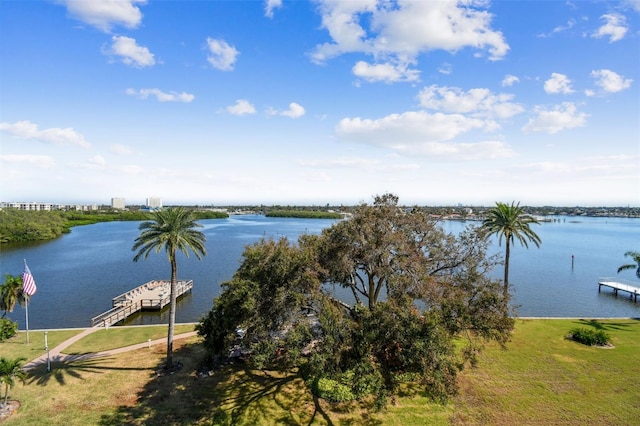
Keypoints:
(26, 309)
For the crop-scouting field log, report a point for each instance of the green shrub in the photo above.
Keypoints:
(8, 329)
(590, 337)
(332, 390)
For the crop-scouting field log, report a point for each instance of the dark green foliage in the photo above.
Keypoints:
(21, 226)
(417, 289)
(8, 329)
(635, 266)
(589, 336)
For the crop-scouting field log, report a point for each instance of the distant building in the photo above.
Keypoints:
(117, 203)
(154, 202)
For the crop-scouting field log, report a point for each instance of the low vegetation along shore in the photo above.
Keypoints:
(542, 377)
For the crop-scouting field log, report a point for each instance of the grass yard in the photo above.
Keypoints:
(542, 378)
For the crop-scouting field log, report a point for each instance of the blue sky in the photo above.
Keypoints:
(295, 102)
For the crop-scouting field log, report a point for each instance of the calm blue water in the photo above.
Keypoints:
(78, 275)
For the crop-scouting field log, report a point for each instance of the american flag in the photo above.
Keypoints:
(28, 283)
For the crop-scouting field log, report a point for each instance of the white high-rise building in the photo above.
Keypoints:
(117, 203)
(154, 202)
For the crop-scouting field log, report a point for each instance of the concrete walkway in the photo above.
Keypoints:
(56, 355)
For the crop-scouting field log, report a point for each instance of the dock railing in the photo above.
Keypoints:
(620, 284)
(148, 296)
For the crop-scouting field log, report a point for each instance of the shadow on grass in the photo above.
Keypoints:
(70, 367)
(232, 395)
(618, 325)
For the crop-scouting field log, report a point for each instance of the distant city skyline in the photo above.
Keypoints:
(321, 102)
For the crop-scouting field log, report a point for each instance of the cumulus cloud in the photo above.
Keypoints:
(160, 95)
(476, 102)
(241, 107)
(615, 27)
(396, 33)
(610, 82)
(105, 14)
(424, 134)
(270, 6)
(55, 135)
(558, 83)
(43, 161)
(295, 111)
(509, 80)
(130, 52)
(385, 72)
(221, 55)
(560, 117)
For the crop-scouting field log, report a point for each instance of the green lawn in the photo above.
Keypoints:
(541, 378)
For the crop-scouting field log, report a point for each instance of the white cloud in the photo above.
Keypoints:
(560, 28)
(221, 55)
(270, 6)
(446, 68)
(129, 52)
(396, 33)
(104, 14)
(295, 111)
(120, 149)
(509, 80)
(97, 160)
(55, 135)
(634, 4)
(43, 161)
(558, 83)
(385, 72)
(161, 96)
(422, 133)
(477, 102)
(615, 27)
(611, 82)
(561, 117)
(358, 163)
(241, 107)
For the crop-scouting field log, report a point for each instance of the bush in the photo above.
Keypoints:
(332, 390)
(8, 329)
(589, 336)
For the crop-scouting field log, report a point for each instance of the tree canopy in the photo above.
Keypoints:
(416, 290)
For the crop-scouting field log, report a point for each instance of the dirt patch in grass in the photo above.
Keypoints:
(8, 409)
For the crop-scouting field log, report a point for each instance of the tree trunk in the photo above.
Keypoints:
(506, 270)
(172, 310)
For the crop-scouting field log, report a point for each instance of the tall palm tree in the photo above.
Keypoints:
(172, 229)
(11, 369)
(512, 223)
(635, 255)
(11, 293)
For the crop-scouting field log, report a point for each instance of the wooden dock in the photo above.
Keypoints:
(618, 284)
(153, 295)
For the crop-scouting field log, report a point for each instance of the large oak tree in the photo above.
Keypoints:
(415, 288)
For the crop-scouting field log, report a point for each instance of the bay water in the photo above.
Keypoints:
(78, 274)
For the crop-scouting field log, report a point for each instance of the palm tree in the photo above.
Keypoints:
(172, 229)
(510, 222)
(11, 369)
(11, 293)
(635, 255)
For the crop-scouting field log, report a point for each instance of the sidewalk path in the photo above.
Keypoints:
(56, 355)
